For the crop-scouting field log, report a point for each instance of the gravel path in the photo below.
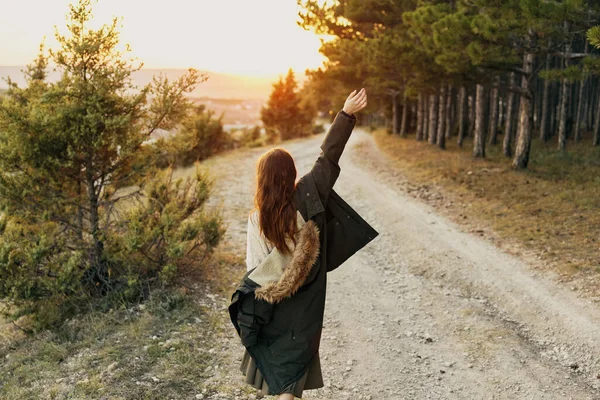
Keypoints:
(426, 311)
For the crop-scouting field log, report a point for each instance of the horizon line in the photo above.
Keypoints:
(249, 74)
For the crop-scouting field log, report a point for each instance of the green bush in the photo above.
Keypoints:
(160, 235)
(251, 135)
(165, 234)
(248, 137)
(84, 218)
(200, 136)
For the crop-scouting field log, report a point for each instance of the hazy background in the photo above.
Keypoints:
(242, 46)
(218, 85)
(248, 38)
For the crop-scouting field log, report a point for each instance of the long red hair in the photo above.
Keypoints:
(275, 187)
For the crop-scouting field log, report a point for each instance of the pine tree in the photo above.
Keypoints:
(592, 67)
(65, 149)
(465, 44)
(284, 117)
(594, 36)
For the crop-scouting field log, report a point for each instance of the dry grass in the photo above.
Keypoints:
(166, 348)
(551, 208)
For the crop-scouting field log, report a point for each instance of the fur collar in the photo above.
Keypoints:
(279, 275)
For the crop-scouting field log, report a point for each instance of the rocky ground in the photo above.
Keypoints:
(428, 310)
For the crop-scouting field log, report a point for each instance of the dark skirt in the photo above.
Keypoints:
(312, 378)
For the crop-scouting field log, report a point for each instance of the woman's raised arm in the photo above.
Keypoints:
(338, 134)
(326, 169)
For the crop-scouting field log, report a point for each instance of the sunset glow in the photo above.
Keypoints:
(249, 38)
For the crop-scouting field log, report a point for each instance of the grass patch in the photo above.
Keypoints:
(160, 349)
(122, 354)
(550, 208)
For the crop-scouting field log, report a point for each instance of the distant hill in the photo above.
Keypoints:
(218, 86)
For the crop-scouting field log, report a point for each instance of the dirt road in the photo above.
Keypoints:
(426, 311)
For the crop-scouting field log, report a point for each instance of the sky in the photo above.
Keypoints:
(243, 37)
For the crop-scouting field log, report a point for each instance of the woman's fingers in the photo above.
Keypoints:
(360, 95)
(362, 100)
(356, 94)
(356, 101)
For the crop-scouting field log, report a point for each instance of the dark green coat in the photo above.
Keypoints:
(280, 320)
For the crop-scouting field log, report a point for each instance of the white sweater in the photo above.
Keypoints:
(258, 246)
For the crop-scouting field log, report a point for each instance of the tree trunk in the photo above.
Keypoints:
(80, 209)
(580, 113)
(494, 114)
(479, 135)
(508, 124)
(544, 123)
(450, 111)
(555, 109)
(596, 140)
(591, 97)
(463, 115)
(501, 108)
(581, 107)
(419, 133)
(412, 121)
(433, 110)
(537, 103)
(524, 133)
(515, 122)
(562, 123)
(572, 109)
(95, 274)
(425, 118)
(554, 94)
(441, 133)
(395, 113)
(405, 112)
(471, 130)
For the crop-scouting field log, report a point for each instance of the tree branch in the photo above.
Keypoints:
(573, 56)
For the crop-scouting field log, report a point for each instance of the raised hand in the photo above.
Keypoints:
(355, 102)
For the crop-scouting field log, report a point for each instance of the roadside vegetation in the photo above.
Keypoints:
(551, 209)
(496, 103)
(501, 73)
(168, 347)
(71, 241)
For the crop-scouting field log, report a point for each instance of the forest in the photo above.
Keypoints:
(501, 72)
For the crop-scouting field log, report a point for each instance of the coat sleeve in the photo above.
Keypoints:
(252, 314)
(326, 169)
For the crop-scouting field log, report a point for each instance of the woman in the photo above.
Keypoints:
(297, 233)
